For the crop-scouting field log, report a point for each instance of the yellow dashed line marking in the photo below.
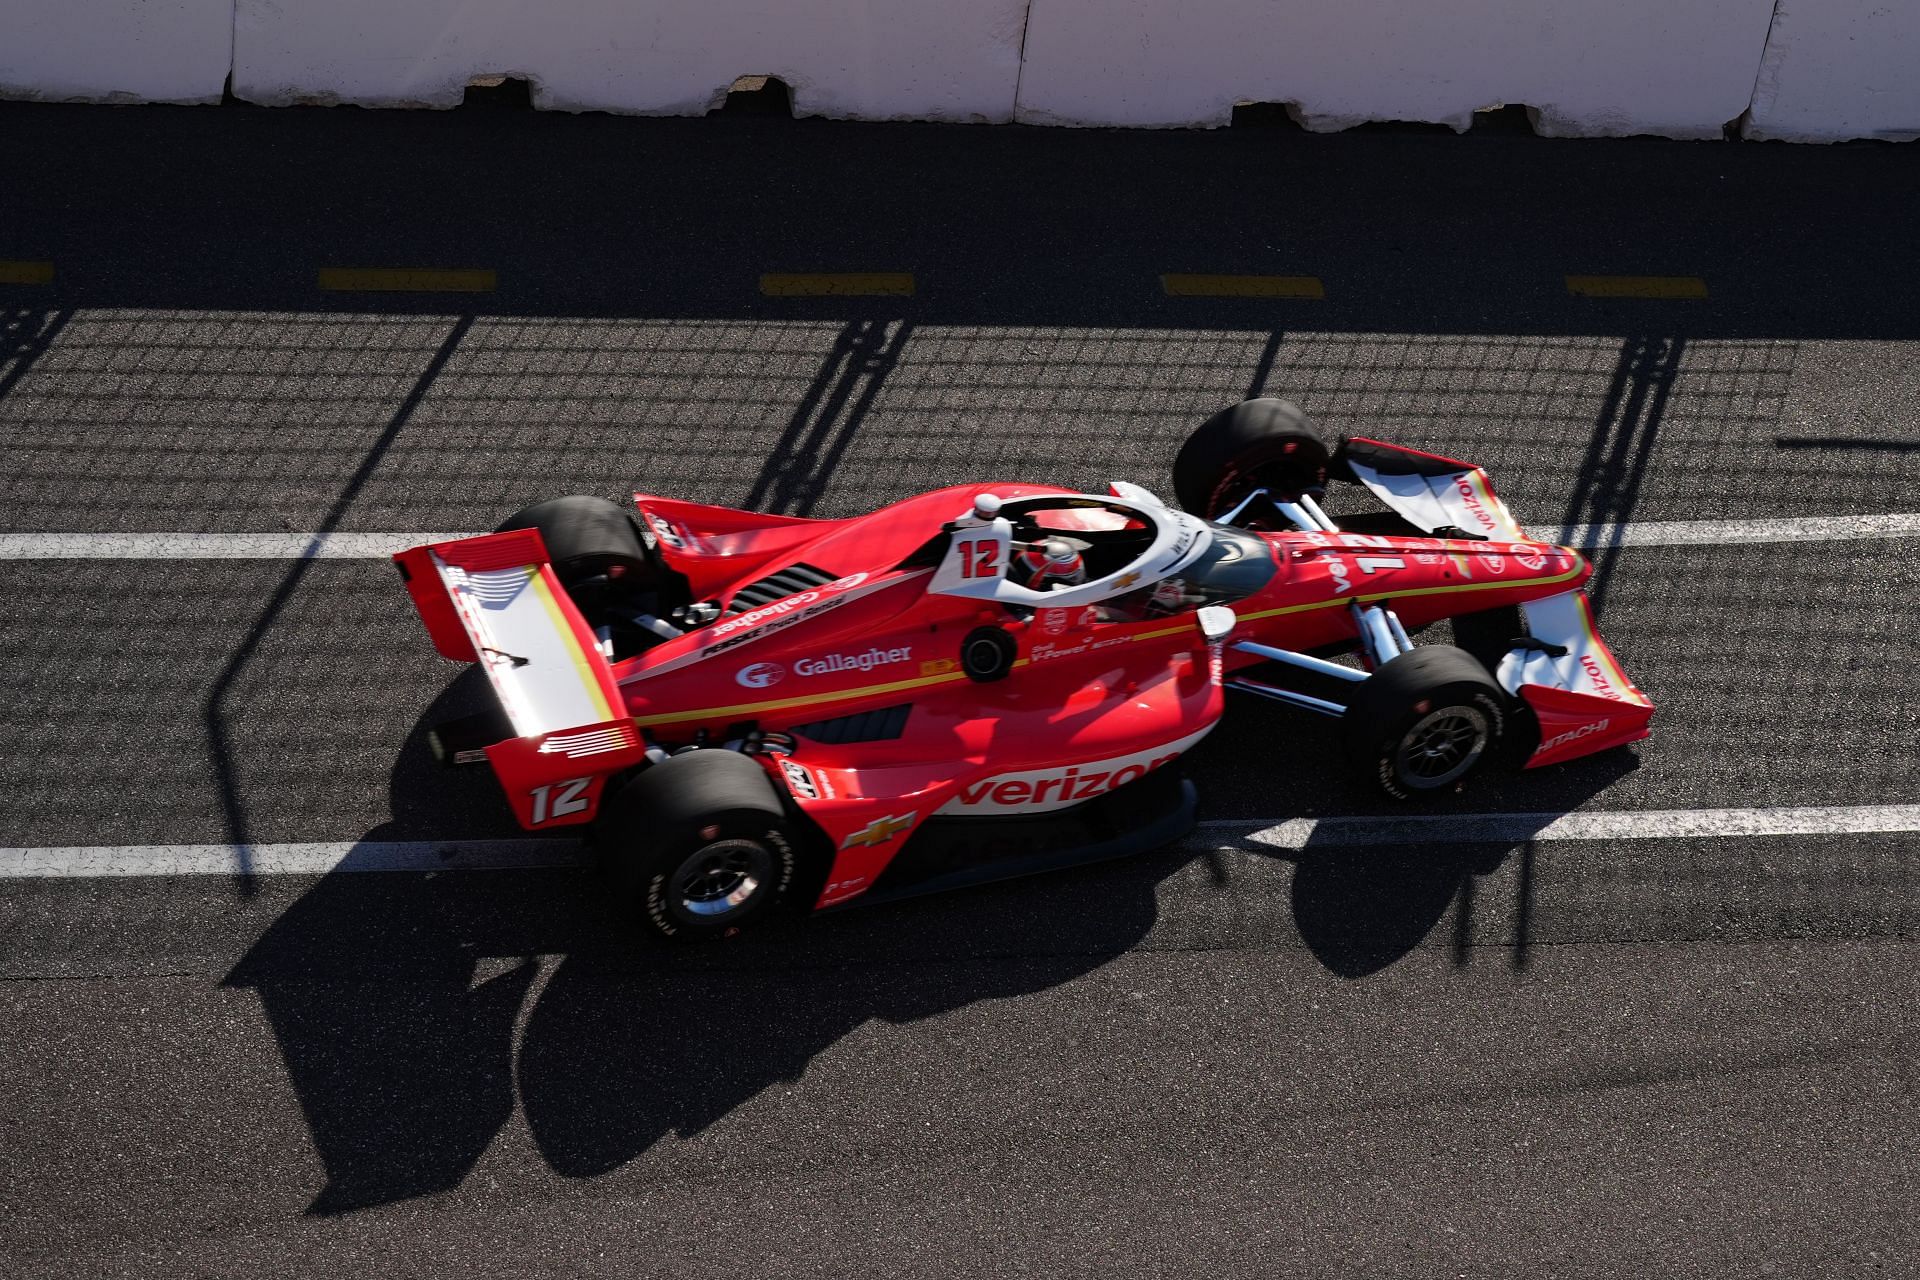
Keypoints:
(1192, 286)
(837, 284)
(12, 272)
(406, 280)
(1637, 286)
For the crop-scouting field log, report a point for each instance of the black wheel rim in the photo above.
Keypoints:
(720, 880)
(1441, 746)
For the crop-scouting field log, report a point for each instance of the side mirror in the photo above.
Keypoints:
(1217, 622)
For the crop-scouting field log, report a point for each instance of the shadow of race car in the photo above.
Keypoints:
(998, 678)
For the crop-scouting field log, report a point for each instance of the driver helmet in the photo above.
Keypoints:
(1053, 563)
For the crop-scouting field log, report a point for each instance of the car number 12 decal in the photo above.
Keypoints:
(979, 559)
(559, 799)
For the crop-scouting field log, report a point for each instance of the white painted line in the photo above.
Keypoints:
(212, 546)
(90, 861)
(373, 546)
(1514, 828)
(1291, 835)
(1683, 533)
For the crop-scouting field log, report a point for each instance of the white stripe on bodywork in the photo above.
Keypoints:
(1290, 836)
(534, 663)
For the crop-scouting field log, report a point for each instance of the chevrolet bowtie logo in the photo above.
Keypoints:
(879, 831)
(1125, 580)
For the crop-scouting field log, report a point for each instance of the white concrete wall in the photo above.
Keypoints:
(115, 50)
(1680, 68)
(1829, 70)
(866, 59)
(1837, 69)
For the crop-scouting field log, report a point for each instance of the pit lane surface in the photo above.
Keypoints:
(1696, 1055)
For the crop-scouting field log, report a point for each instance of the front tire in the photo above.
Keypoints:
(698, 846)
(1426, 722)
(1257, 444)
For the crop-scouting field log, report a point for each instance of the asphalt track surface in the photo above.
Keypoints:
(1687, 1056)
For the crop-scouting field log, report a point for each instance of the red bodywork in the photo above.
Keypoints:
(1090, 704)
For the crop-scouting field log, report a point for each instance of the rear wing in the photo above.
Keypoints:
(495, 600)
(1565, 672)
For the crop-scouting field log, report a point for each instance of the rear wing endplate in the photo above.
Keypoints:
(495, 600)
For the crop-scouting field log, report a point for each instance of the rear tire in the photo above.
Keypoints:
(698, 845)
(1264, 443)
(1426, 722)
(588, 538)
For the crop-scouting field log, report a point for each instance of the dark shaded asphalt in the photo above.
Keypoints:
(1690, 1056)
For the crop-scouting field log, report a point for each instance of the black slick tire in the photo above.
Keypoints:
(1264, 443)
(588, 538)
(1489, 634)
(697, 846)
(1426, 722)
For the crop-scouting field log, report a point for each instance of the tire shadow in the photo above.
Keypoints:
(415, 1010)
(1359, 909)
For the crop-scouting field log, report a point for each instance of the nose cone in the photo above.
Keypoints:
(1571, 561)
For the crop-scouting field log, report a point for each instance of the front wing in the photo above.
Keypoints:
(1562, 669)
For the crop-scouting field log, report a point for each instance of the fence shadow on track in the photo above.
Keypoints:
(1624, 435)
(399, 1001)
(25, 335)
(1359, 909)
(215, 712)
(416, 1011)
(801, 463)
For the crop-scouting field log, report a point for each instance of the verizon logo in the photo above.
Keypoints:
(1471, 501)
(1601, 685)
(1039, 790)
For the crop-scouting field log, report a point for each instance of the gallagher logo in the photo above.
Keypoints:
(760, 675)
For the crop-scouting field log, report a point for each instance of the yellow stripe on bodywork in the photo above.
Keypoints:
(811, 699)
(1496, 584)
(595, 694)
(926, 682)
(1605, 653)
(1478, 479)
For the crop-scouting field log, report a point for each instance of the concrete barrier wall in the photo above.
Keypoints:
(1838, 69)
(863, 59)
(115, 50)
(1809, 70)
(1681, 68)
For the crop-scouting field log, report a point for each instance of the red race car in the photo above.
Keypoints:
(996, 678)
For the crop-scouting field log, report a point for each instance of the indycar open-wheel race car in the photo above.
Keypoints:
(995, 678)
